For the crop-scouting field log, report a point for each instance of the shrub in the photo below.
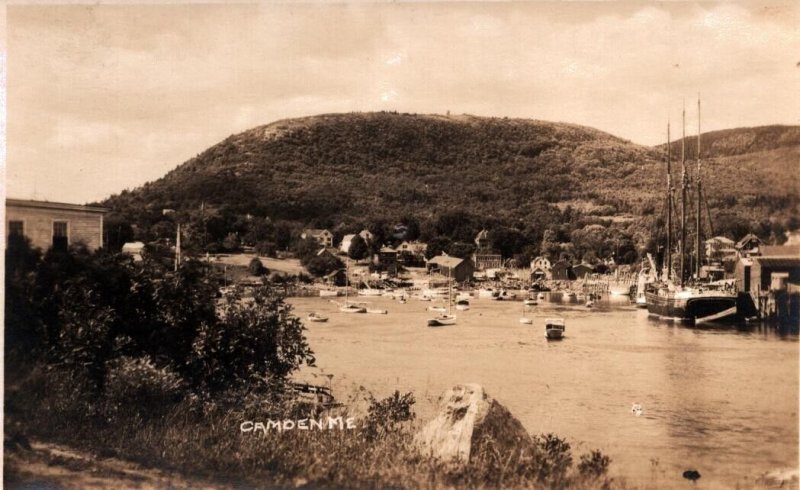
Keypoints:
(137, 384)
(385, 415)
(256, 268)
(252, 344)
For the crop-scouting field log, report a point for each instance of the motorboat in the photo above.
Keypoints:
(316, 317)
(526, 321)
(462, 305)
(377, 311)
(554, 328)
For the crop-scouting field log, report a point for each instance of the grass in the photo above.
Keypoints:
(202, 438)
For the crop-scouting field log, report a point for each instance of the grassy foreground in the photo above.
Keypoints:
(202, 439)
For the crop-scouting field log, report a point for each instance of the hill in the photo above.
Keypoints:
(360, 167)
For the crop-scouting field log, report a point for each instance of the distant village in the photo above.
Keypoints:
(750, 265)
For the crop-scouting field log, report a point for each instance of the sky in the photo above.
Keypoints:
(102, 98)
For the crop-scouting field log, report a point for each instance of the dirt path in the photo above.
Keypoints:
(47, 465)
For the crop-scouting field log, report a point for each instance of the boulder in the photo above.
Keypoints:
(468, 419)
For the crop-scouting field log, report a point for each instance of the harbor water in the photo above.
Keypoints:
(722, 401)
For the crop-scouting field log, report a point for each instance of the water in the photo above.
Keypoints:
(722, 401)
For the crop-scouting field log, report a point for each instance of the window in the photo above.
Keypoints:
(16, 228)
(60, 238)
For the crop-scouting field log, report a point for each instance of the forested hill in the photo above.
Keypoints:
(352, 166)
(356, 168)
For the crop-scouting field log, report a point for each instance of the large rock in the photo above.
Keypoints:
(467, 419)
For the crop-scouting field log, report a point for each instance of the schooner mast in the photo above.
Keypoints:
(669, 205)
(698, 197)
(683, 198)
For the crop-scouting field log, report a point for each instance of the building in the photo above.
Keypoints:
(460, 270)
(562, 271)
(347, 240)
(55, 225)
(772, 280)
(387, 259)
(485, 259)
(718, 247)
(134, 249)
(324, 237)
(367, 235)
(749, 245)
(582, 270)
(414, 248)
(482, 239)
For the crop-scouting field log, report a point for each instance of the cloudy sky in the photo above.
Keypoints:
(104, 98)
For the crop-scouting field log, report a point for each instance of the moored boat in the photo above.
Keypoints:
(442, 320)
(316, 317)
(554, 328)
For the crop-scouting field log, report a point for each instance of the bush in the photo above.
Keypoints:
(256, 268)
(266, 249)
(385, 415)
(252, 345)
(137, 384)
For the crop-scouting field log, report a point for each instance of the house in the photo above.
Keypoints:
(55, 225)
(134, 249)
(485, 259)
(460, 270)
(329, 251)
(718, 247)
(482, 239)
(367, 235)
(562, 271)
(582, 270)
(412, 254)
(336, 278)
(324, 237)
(347, 240)
(748, 245)
(542, 263)
(387, 259)
(414, 248)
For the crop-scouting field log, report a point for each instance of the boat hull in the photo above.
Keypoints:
(692, 310)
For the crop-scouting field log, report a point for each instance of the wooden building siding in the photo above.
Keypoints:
(84, 224)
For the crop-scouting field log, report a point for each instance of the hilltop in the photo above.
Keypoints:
(360, 167)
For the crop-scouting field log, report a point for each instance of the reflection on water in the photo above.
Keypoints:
(720, 399)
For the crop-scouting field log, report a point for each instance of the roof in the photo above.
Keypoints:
(780, 250)
(54, 205)
(387, 250)
(482, 234)
(750, 236)
(721, 239)
(315, 231)
(446, 261)
(132, 246)
(788, 262)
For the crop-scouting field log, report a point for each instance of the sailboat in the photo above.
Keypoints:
(349, 307)
(445, 318)
(677, 300)
(523, 319)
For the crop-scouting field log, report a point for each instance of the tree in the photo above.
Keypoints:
(358, 249)
(436, 246)
(461, 250)
(507, 241)
(322, 265)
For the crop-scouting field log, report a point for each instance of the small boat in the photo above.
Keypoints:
(370, 292)
(589, 304)
(462, 305)
(442, 320)
(554, 328)
(316, 317)
(440, 309)
(327, 293)
(377, 311)
(523, 319)
(541, 296)
(487, 293)
(403, 300)
(352, 308)
(530, 302)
